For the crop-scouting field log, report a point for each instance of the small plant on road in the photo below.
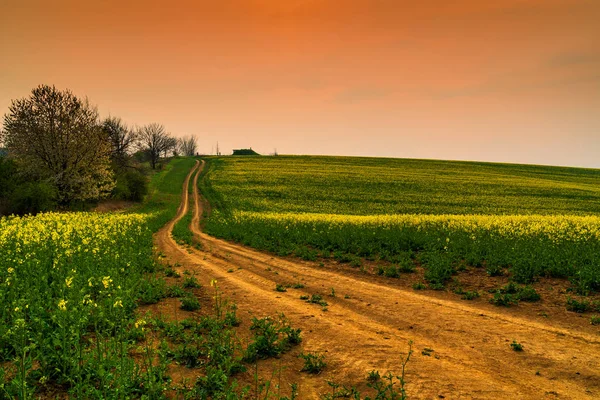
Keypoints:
(516, 346)
(171, 273)
(314, 363)
(271, 337)
(280, 288)
(315, 299)
(373, 376)
(387, 386)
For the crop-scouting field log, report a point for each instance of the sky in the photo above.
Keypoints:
(505, 80)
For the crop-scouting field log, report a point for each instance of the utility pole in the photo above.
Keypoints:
(218, 152)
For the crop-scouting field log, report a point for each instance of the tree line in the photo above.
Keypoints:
(56, 152)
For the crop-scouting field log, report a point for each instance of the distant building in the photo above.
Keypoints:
(245, 152)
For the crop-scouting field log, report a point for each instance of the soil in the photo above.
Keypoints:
(461, 349)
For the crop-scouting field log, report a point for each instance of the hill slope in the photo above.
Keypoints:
(369, 186)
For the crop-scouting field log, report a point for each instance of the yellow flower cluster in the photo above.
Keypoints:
(72, 245)
(563, 227)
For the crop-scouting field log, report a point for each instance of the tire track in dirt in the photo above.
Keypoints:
(471, 356)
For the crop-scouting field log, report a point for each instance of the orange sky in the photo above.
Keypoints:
(503, 80)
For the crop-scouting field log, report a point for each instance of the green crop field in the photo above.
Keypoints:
(371, 186)
(526, 221)
(69, 285)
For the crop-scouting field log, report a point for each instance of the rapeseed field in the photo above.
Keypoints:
(527, 221)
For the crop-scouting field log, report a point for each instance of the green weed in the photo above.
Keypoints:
(314, 363)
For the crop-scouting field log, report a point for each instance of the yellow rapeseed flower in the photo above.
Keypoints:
(106, 281)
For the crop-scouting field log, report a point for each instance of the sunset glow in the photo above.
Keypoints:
(508, 80)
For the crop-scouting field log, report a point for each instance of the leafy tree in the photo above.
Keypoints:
(154, 140)
(55, 136)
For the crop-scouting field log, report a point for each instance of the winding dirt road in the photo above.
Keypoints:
(460, 351)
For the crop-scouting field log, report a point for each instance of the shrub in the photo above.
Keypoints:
(137, 184)
(32, 198)
(131, 185)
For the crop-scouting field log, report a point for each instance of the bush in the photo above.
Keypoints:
(131, 185)
(32, 198)
(8, 177)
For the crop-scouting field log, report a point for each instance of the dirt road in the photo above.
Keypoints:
(461, 351)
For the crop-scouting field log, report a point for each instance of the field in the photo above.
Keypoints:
(377, 186)
(71, 288)
(525, 221)
(146, 304)
(84, 297)
(68, 282)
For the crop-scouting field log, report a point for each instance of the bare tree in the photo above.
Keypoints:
(171, 146)
(121, 138)
(56, 136)
(188, 145)
(154, 139)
